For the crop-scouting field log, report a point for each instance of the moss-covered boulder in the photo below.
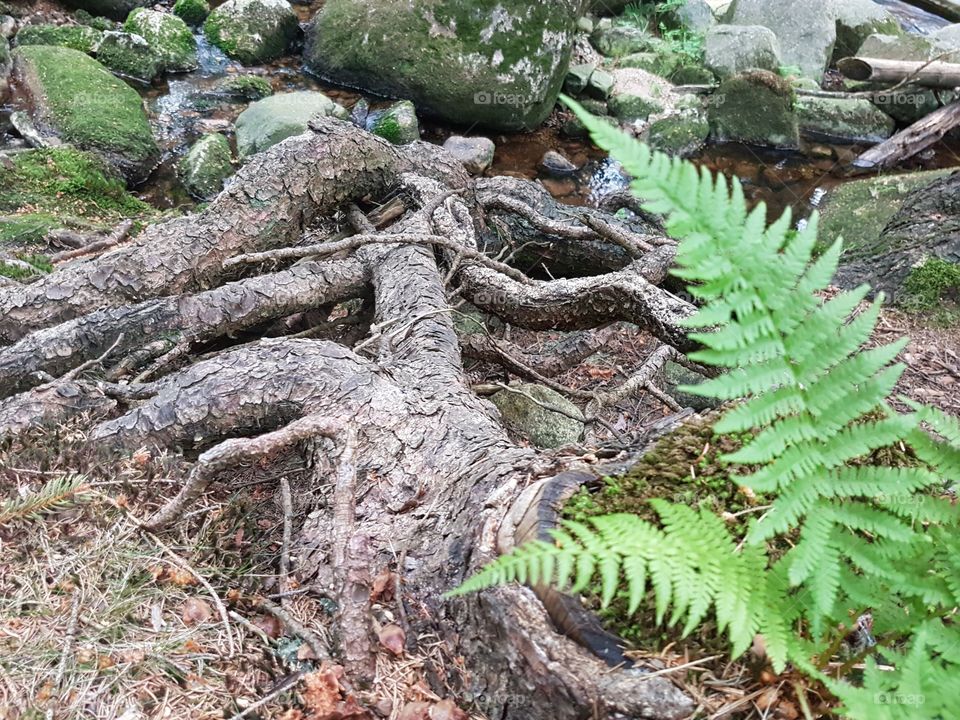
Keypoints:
(756, 108)
(528, 418)
(206, 165)
(859, 210)
(72, 96)
(398, 123)
(129, 54)
(731, 49)
(117, 9)
(96, 22)
(856, 21)
(892, 225)
(192, 12)
(252, 31)
(918, 48)
(496, 64)
(682, 134)
(41, 190)
(628, 107)
(78, 37)
(244, 87)
(843, 120)
(169, 37)
(268, 121)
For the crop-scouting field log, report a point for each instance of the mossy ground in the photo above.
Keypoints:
(45, 189)
(77, 37)
(934, 289)
(192, 12)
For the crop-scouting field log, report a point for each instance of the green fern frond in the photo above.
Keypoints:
(55, 495)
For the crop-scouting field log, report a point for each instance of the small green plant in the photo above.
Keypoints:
(929, 284)
(863, 536)
(55, 495)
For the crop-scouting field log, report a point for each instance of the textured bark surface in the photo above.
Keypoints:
(437, 479)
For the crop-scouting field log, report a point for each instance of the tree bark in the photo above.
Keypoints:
(437, 478)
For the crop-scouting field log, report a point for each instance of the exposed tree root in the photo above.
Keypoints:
(424, 468)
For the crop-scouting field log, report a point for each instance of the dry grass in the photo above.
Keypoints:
(100, 620)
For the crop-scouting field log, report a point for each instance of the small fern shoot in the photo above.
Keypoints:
(814, 398)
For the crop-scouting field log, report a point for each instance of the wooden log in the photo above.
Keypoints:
(914, 139)
(948, 9)
(935, 74)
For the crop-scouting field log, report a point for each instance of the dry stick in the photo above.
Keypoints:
(350, 555)
(288, 684)
(114, 238)
(234, 451)
(287, 503)
(68, 641)
(178, 351)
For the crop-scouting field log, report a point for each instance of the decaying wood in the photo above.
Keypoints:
(431, 468)
(932, 74)
(914, 139)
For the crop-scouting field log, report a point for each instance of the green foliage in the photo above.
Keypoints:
(55, 495)
(865, 536)
(930, 283)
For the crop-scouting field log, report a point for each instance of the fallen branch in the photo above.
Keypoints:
(907, 143)
(931, 73)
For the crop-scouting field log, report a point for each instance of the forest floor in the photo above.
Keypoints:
(108, 622)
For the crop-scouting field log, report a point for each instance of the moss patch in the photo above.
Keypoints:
(252, 31)
(245, 87)
(78, 37)
(168, 36)
(57, 187)
(192, 12)
(934, 286)
(757, 108)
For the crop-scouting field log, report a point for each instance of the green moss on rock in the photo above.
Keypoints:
(932, 283)
(757, 108)
(245, 87)
(117, 9)
(681, 135)
(633, 107)
(129, 54)
(843, 120)
(205, 167)
(97, 23)
(192, 12)
(169, 37)
(252, 31)
(76, 98)
(78, 37)
(499, 64)
(398, 123)
(268, 121)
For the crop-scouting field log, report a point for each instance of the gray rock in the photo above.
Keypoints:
(206, 166)
(600, 85)
(695, 15)
(627, 107)
(398, 123)
(619, 39)
(544, 428)
(814, 32)
(476, 153)
(578, 77)
(899, 47)
(554, 163)
(268, 121)
(129, 54)
(8, 27)
(499, 64)
(252, 31)
(907, 105)
(731, 49)
(676, 376)
(169, 37)
(682, 134)
(843, 120)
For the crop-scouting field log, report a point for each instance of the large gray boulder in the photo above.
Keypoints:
(756, 108)
(843, 120)
(275, 118)
(814, 32)
(731, 49)
(252, 31)
(495, 64)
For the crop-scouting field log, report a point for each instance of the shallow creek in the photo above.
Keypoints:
(182, 107)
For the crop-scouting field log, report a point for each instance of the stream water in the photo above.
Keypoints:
(183, 107)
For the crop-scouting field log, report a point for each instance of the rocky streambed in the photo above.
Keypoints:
(174, 97)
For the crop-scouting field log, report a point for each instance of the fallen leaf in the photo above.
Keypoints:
(393, 638)
(383, 586)
(270, 625)
(196, 611)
